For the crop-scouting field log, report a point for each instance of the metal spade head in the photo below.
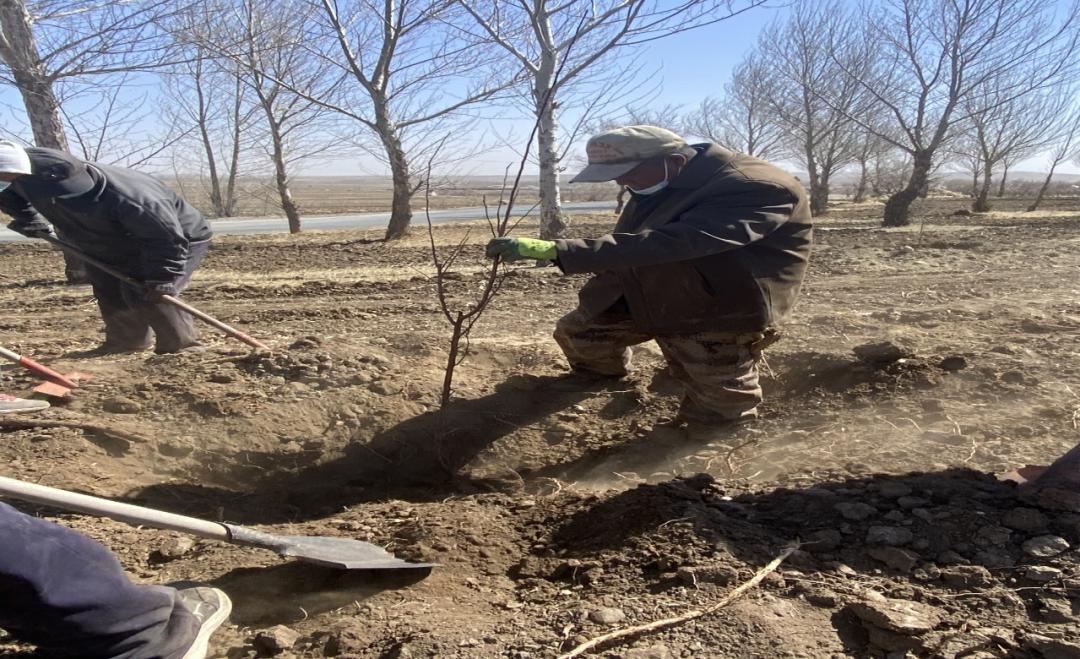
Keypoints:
(342, 553)
(56, 389)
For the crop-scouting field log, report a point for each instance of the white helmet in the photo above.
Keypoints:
(13, 158)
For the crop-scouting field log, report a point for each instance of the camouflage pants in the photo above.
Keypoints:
(718, 370)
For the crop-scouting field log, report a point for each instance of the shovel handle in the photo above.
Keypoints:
(123, 512)
(206, 318)
(43, 371)
(168, 299)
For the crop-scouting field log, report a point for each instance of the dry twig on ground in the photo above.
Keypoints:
(658, 625)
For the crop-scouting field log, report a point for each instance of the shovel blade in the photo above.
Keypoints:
(52, 390)
(342, 553)
(58, 390)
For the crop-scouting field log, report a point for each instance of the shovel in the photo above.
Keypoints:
(167, 299)
(341, 553)
(57, 385)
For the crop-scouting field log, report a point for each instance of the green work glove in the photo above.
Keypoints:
(515, 249)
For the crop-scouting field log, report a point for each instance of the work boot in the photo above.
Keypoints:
(12, 405)
(211, 607)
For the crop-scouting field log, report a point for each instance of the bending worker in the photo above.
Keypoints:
(706, 258)
(127, 219)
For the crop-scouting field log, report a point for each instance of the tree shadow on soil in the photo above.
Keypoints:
(416, 460)
(756, 526)
(419, 460)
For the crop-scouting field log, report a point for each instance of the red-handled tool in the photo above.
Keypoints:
(60, 384)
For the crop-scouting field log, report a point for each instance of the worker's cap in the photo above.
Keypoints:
(56, 173)
(66, 175)
(615, 152)
(13, 158)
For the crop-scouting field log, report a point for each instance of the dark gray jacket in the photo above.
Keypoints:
(723, 248)
(126, 218)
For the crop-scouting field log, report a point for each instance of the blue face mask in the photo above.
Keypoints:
(652, 189)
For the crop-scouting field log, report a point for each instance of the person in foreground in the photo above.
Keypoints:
(68, 595)
(707, 258)
(126, 219)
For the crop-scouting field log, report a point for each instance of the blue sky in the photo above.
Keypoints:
(692, 66)
(683, 70)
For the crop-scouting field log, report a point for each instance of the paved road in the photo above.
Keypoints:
(365, 220)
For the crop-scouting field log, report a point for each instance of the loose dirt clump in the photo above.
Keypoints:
(921, 363)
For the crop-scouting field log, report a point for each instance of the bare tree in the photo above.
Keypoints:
(276, 65)
(400, 55)
(869, 155)
(932, 54)
(576, 36)
(30, 75)
(807, 55)
(1006, 128)
(1006, 164)
(743, 119)
(206, 97)
(965, 153)
(1065, 146)
(890, 169)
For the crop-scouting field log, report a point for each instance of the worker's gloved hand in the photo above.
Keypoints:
(155, 289)
(515, 249)
(34, 229)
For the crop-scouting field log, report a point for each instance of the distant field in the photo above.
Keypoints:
(366, 194)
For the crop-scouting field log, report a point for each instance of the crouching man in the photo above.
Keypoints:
(126, 219)
(706, 258)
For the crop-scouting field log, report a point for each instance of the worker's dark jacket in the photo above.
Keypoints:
(127, 218)
(723, 248)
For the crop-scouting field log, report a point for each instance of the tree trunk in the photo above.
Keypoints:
(239, 122)
(401, 204)
(819, 194)
(982, 200)
(19, 50)
(281, 175)
(552, 222)
(898, 206)
(277, 149)
(1043, 188)
(208, 145)
(1004, 178)
(860, 187)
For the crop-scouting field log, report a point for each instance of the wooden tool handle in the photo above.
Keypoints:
(33, 366)
(231, 331)
(123, 512)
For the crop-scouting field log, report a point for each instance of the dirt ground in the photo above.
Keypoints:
(559, 516)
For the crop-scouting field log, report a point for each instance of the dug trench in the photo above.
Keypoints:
(920, 364)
